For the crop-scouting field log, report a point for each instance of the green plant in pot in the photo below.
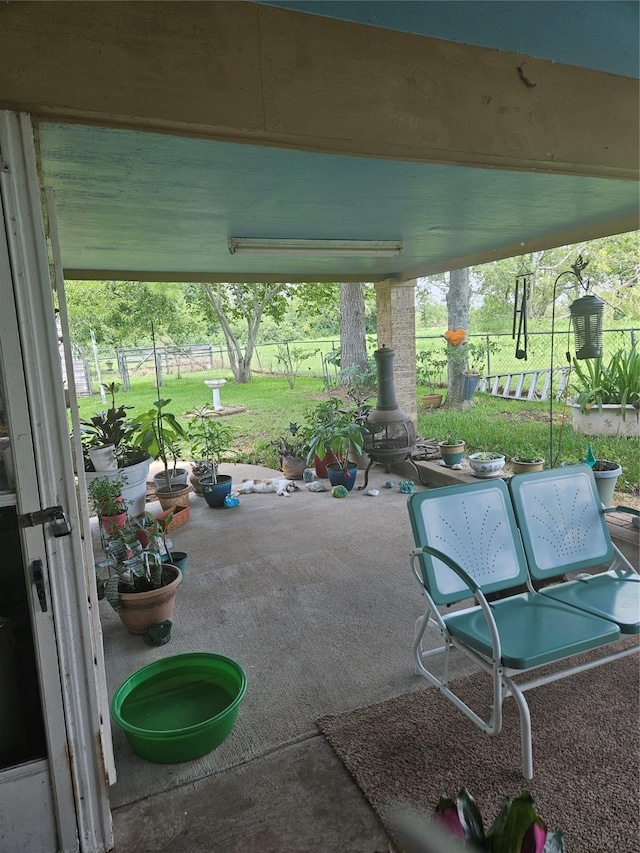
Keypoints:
(451, 451)
(133, 578)
(157, 431)
(112, 426)
(292, 451)
(340, 435)
(429, 368)
(526, 461)
(317, 431)
(606, 397)
(105, 494)
(616, 382)
(210, 442)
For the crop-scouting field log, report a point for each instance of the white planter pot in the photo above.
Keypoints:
(135, 489)
(180, 478)
(606, 483)
(103, 458)
(609, 421)
(486, 468)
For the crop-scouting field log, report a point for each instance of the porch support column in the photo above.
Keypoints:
(396, 307)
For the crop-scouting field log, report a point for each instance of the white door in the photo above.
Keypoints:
(53, 769)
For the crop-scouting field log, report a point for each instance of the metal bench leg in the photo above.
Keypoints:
(525, 728)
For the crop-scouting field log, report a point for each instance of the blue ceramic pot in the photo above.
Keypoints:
(339, 476)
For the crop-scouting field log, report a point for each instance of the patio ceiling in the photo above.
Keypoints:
(384, 126)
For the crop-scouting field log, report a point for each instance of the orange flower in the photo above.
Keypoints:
(455, 336)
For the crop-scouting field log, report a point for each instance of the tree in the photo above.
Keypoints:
(458, 297)
(613, 271)
(120, 312)
(246, 303)
(353, 342)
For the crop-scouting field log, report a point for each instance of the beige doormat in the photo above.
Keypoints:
(586, 753)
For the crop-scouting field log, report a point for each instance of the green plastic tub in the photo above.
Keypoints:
(181, 707)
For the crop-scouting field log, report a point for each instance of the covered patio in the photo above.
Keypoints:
(165, 135)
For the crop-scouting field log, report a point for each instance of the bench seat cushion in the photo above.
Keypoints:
(534, 630)
(610, 595)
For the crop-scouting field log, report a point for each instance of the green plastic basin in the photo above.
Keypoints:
(180, 707)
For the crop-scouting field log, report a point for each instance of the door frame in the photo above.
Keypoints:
(78, 767)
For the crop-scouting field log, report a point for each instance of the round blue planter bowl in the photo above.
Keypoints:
(215, 493)
(180, 707)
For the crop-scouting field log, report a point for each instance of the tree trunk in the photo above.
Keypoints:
(458, 296)
(353, 342)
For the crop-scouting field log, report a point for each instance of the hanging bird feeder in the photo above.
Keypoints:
(586, 317)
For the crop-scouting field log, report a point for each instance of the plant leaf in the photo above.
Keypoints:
(470, 817)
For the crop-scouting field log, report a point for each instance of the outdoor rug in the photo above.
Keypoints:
(586, 753)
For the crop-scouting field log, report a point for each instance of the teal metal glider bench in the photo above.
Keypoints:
(486, 538)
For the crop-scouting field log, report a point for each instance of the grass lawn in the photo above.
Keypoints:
(491, 423)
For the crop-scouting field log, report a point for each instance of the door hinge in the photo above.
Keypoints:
(53, 514)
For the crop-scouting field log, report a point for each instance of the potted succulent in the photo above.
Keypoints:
(607, 394)
(486, 464)
(105, 494)
(209, 441)
(134, 579)
(113, 427)
(157, 431)
(451, 451)
(292, 450)
(428, 370)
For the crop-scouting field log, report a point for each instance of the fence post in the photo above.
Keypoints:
(488, 355)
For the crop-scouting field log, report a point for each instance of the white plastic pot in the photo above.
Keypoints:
(606, 482)
(103, 458)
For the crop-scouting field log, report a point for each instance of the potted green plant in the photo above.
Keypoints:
(486, 464)
(177, 476)
(134, 579)
(516, 829)
(209, 442)
(451, 451)
(526, 461)
(429, 368)
(105, 494)
(343, 435)
(317, 434)
(606, 397)
(112, 426)
(292, 450)
(157, 431)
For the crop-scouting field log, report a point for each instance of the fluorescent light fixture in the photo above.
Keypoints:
(327, 248)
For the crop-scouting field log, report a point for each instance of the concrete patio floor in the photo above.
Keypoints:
(313, 595)
(343, 640)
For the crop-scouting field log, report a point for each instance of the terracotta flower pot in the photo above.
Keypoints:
(140, 610)
(431, 401)
(321, 464)
(113, 522)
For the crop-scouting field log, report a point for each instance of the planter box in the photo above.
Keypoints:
(180, 517)
(609, 421)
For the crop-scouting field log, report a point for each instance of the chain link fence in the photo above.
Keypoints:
(489, 354)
